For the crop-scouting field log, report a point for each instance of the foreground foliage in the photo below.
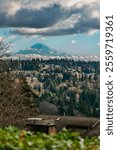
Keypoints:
(12, 138)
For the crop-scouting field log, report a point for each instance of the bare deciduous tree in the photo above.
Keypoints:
(4, 52)
(4, 48)
(15, 99)
(15, 102)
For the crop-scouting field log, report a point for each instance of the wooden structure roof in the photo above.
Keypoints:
(41, 122)
(86, 126)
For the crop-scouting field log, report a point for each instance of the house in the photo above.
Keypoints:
(86, 126)
(38, 124)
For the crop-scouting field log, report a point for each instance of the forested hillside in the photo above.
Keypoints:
(61, 87)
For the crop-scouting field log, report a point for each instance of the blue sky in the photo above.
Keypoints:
(70, 26)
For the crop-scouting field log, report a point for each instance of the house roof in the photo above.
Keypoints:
(85, 125)
(40, 122)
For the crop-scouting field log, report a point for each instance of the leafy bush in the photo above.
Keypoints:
(12, 138)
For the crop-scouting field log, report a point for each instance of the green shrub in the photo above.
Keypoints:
(12, 138)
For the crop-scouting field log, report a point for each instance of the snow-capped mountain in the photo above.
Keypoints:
(41, 49)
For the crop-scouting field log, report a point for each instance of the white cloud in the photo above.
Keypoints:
(31, 31)
(50, 17)
(68, 22)
(10, 7)
(13, 6)
(95, 14)
(91, 32)
(73, 42)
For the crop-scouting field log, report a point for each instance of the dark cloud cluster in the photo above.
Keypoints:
(50, 17)
(33, 18)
